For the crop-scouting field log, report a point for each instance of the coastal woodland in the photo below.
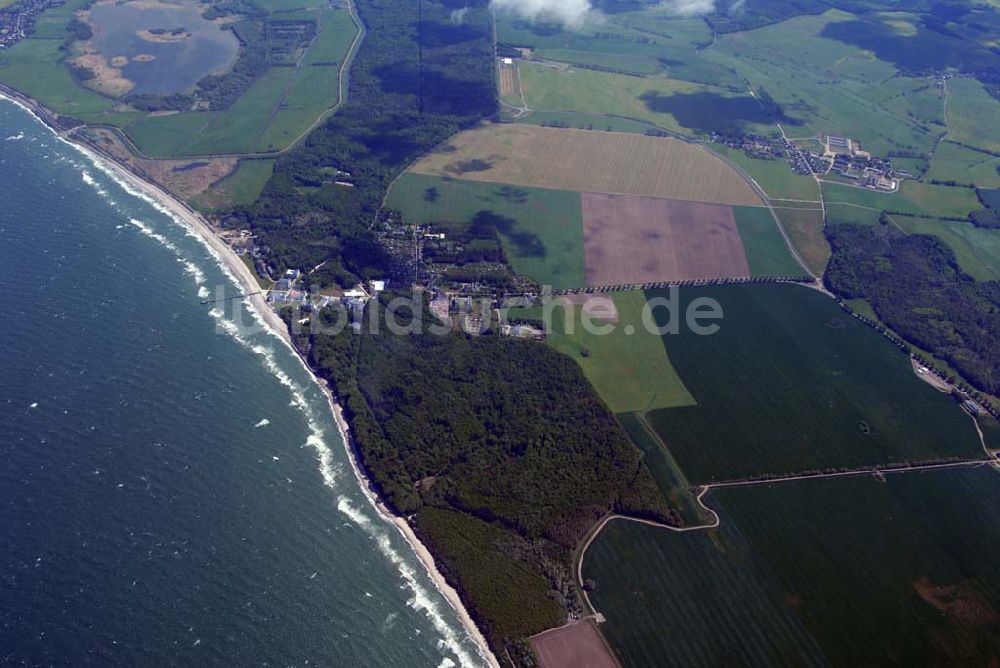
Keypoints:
(499, 452)
(915, 286)
(418, 79)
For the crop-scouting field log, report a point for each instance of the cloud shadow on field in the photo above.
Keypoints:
(527, 244)
(708, 112)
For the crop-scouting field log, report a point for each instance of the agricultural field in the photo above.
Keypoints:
(241, 188)
(971, 112)
(774, 177)
(805, 228)
(791, 383)
(952, 162)
(282, 103)
(794, 61)
(635, 240)
(541, 229)
(766, 251)
(645, 41)
(678, 106)
(565, 158)
(945, 201)
(631, 372)
(797, 574)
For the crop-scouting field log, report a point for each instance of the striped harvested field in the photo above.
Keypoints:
(589, 161)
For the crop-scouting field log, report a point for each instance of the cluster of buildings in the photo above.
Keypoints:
(17, 21)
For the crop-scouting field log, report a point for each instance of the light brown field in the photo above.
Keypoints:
(805, 229)
(597, 307)
(635, 240)
(589, 161)
(508, 82)
(578, 645)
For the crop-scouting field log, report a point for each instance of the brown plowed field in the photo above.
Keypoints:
(578, 645)
(508, 82)
(588, 161)
(634, 240)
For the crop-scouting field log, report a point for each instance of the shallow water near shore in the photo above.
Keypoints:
(172, 484)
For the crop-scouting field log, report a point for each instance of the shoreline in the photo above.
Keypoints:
(235, 266)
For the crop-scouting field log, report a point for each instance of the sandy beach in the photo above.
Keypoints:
(248, 283)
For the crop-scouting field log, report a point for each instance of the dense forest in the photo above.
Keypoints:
(498, 449)
(915, 286)
(425, 73)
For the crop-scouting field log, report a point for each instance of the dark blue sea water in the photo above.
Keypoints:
(172, 486)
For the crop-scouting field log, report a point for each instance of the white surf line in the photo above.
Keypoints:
(237, 272)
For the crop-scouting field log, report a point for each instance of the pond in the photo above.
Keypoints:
(161, 48)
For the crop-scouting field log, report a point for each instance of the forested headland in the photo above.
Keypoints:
(499, 452)
(915, 286)
(425, 73)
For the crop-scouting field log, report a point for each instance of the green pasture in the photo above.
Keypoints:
(625, 362)
(677, 106)
(952, 162)
(796, 64)
(541, 229)
(791, 383)
(972, 115)
(766, 250)
(819, 572)
(775, 177)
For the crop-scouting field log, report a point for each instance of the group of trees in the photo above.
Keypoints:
(499, 450)
(418, 77)
(916, 287)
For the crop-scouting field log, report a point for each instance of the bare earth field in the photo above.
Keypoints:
(634, 240)
(578, 645)
(588, 161)
(508, 82)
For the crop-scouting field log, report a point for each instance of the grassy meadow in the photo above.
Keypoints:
(798, 574)
(631, 371)
(805, 228)
(765, 248)
(791, 383)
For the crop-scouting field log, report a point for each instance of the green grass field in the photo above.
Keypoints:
(794, 63)
(952, 162)
(677, 106)
(822, 572)
(972, 115)
(941, 200)
(766, 250)
(647, 41)
(541, 229)
(241, 188)
(775, 177)
(976, 249)
(631, 372)
(792, 383)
